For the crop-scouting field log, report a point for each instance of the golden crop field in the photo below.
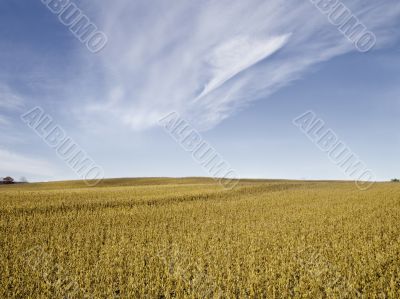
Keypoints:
(190, 238)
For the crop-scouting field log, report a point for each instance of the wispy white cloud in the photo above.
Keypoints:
(235, 56)
(207, 59)
(9, 100)
(4, 121)
(11, 162)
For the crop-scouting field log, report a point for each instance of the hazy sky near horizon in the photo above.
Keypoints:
(238, 71)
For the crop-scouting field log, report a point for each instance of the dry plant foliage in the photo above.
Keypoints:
(190, 238)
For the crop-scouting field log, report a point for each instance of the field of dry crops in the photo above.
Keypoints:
(189, 238)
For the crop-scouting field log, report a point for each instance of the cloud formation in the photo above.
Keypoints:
(9, 100)
(11, 162)
(207, 59)
(236, 55)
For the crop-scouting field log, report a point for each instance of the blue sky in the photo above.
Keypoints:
(238, 71)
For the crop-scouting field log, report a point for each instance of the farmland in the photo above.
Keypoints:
(190, 238)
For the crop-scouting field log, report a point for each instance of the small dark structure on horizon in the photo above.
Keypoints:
(8, 180)
(395, 180)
